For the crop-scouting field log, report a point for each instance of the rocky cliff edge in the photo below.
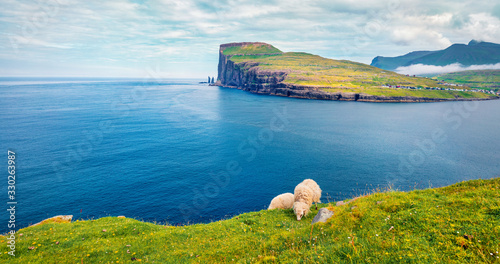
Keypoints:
(248, 76)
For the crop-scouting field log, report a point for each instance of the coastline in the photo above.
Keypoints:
(246, 74)
(313, 93)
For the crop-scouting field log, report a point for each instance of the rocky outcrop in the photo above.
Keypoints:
(243, 75)
(56, 219)
(249, 77)
(323, 215)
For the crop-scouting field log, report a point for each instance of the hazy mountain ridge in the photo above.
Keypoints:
(474, 53)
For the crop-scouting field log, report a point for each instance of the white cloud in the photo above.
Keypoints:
(482, 26)
(422, 69)
(129, 33)
(410, 35)
(411, 29)
(19, 40)
(175, 34)
(250, 11)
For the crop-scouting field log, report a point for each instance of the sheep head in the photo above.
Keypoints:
(300, 209)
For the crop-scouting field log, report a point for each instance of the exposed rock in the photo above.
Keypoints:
(56, 219)
(121, 216)
(323, 215)
(249, 77)
(379, 202)
(340, 203)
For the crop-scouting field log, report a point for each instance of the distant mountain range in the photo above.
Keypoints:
(474, 53)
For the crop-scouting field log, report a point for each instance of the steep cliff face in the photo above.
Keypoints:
(247, 75)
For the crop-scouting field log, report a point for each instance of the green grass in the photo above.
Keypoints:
(481, 79)
(455, 224)
(394, 92)
(308, 69)
(251, 49)
(334, 75)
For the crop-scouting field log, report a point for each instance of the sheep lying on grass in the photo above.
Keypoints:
(282, 201)
(305, 194)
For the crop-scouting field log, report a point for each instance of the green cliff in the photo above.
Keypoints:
(261, 68)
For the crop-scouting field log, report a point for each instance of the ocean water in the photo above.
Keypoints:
(181, 152)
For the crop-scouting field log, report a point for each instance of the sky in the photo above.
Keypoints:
(181, 38)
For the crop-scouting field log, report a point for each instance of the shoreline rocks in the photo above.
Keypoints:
(56, 219)
(247, 77)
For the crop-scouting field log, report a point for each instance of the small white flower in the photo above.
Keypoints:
(491, 254)
(376, 234)
(349, 237)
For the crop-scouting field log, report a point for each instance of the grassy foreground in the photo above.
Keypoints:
(455, 224)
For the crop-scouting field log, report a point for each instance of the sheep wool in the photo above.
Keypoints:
(305, 194)
(282, 201)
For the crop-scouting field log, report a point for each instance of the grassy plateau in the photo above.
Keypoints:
(339, 75)
(480, 79)
(454, 224)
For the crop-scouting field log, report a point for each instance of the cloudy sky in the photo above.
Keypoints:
(180, 38)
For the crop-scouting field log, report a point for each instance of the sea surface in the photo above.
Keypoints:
(181, 152)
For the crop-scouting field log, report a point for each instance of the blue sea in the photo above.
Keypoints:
(181, 152)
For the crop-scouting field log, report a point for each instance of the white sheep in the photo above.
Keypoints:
(282, 201)
(305, 194)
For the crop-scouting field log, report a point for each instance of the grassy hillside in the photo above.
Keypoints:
(340, 75)
(455, 224)
(481, 79)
